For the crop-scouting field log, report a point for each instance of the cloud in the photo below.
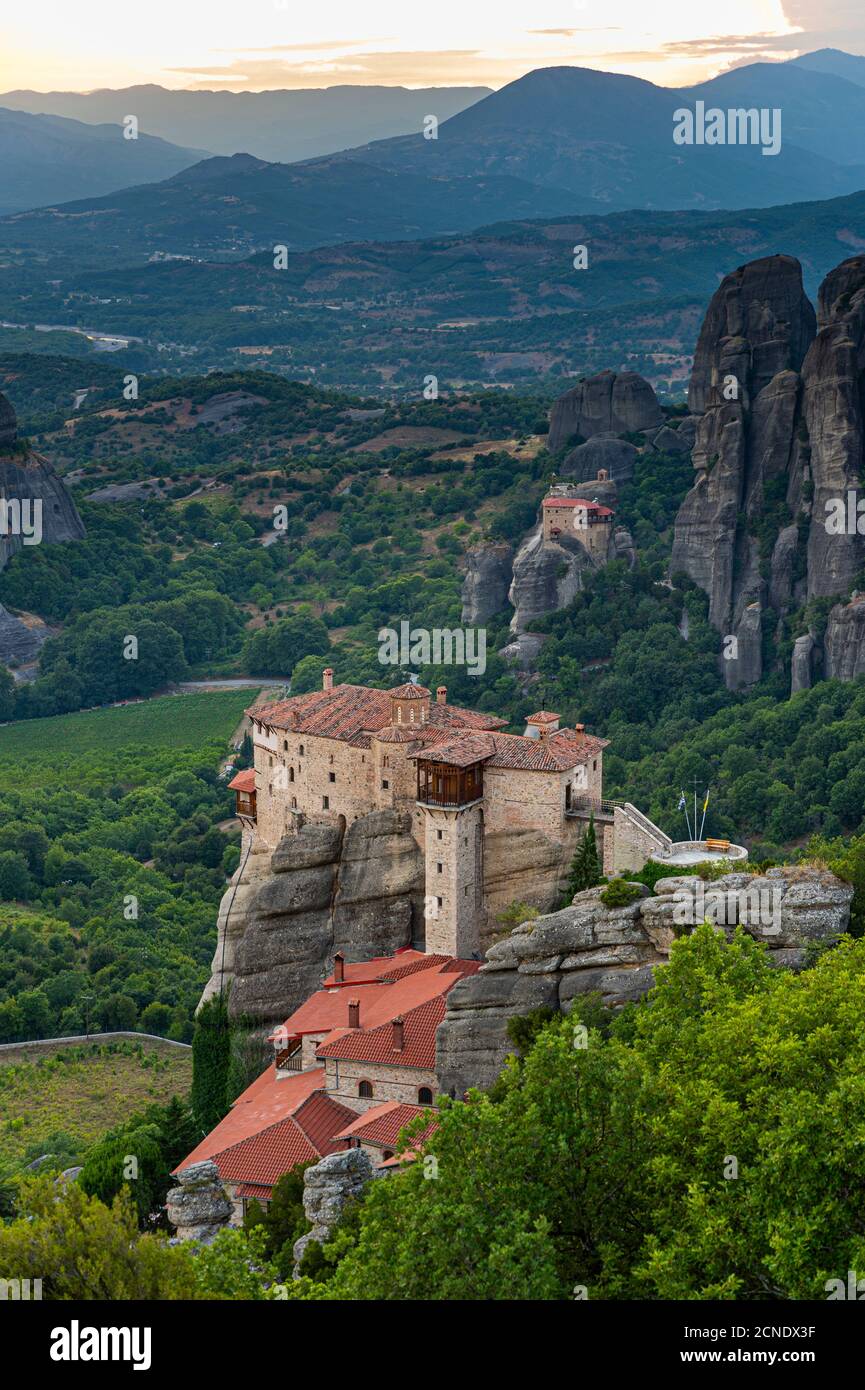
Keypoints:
(453, 67)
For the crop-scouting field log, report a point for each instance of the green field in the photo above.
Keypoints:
(80, 1091)
(41, 752)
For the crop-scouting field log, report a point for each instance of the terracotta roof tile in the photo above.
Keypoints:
(409, 691)
(244, 781)
(350, 712)
(376, 1044)
(267, 1101)
(383, 1124)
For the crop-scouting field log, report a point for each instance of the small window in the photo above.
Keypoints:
(325, 803)
(291, 774)
(285, 745)
(364, 1090)
(440, 902)
(424, 1096)
(466, 891)
(331, 758)
(270, 762)
(595, 765)
(331, 776)
(301, 750)
(385, 784)
(294, 803)
(438, 834)
(438, 868)
(387, 1153)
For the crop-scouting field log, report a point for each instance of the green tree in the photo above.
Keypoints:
(211, 1057)
(585, 865)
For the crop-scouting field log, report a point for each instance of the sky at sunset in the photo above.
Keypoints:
(52, 44)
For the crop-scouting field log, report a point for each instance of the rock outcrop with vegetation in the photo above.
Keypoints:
(612, 951)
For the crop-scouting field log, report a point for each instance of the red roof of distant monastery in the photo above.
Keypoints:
(595, 507)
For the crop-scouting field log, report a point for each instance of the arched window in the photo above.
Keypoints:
(294, 803)
(364, 1090)
(424, 1096)
(291, 774)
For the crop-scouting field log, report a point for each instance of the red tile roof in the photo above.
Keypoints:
(272, 1127)
(409, 691)
(383, 968)
(381, 1000)
(244, 781)
(349, 712)
(559, 752)
(376, 1044)
(543, 716)
(383, 1124)
(594, 507)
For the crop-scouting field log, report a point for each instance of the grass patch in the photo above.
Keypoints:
(82, 1090)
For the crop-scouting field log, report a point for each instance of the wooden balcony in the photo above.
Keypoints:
(441, 784)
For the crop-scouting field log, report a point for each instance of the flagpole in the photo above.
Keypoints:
(683, 806)
(703, 821)
(695, 805)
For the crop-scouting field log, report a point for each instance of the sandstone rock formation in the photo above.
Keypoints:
(488, 578)
(547, 576)
(615, 456)
(327, 1187)
(198, 1208)
(778, 458)
(611, 402)
(844, 641)
(323, 890)
(750, 453)
(834, 380)
(29, 477)
(588, 947)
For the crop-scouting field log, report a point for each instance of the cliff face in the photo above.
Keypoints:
(588, 947)
(609, 403)
(774, 457)
(750, 453)
(547, 575)
(488, 578)
(28, 478)
(286, 914)
(834, 381)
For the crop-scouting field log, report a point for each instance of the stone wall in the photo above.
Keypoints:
(588, 947)
(342, 1079)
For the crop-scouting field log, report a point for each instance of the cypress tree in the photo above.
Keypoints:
(211, 1055)
(585, 865)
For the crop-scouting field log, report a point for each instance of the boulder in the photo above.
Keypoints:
(327, 1187)
(801, 664)
(611, 402)
(198, 1207)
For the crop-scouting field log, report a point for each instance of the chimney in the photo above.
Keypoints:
(354, 1013)
(327, 678)
(579, 728)
(441, 695)
(339, 967)
(398, 1034)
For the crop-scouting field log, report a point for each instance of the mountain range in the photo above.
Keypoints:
(278, 125)
(557, 141)
(49, 159)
